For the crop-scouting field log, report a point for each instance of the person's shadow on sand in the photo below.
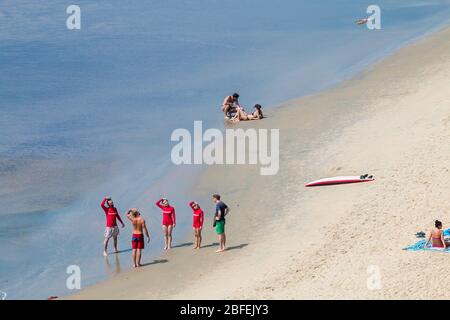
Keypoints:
(121, 251)
(183, 245)
(215, 244)
(154, 262)
(237, 247)
(211, 245)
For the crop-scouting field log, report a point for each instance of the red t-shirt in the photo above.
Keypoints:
(198, 215)
(169, 217)
(111, 215)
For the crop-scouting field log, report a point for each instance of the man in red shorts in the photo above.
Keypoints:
(137, 240)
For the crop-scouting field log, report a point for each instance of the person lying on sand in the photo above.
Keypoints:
(137, 239)
(241, 115)
(436, 236)
(229, 105)
(111, 229)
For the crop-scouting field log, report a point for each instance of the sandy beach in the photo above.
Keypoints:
(290, 242)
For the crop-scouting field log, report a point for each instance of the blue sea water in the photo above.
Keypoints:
(89, 112)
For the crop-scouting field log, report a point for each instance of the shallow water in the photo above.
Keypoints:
(89, 112)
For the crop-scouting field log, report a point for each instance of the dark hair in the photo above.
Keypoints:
(235, 95)
(216, 196)
(258, 107)
(438, 224)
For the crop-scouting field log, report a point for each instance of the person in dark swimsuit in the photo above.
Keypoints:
(436, 236)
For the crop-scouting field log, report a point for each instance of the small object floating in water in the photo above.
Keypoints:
(340, 180)
(52, 298)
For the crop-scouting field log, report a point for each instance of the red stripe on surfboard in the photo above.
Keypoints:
(329, 183)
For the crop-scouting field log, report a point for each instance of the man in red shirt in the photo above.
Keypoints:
(112, 230)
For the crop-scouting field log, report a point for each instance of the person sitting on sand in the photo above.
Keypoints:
(137, 239)
(257, 114)
(197, 224)
(436, 236)
(168, 222)
(241, 115)
(219, 221)
(111, 229)
(229, 105)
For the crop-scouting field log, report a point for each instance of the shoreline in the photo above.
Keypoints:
(329, 123)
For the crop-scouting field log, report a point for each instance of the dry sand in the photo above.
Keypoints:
(292, 242)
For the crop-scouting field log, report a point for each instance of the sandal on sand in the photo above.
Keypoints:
(420, 234)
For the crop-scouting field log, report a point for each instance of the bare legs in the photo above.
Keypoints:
(105, 246)
(225, 108)
(137, 253)
(222, 242)
(240, 115)
(115, 245)
(167, 237)
(198, 238)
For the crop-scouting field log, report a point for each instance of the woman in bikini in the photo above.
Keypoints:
(257, 114)
(241, 115)
(437, 236)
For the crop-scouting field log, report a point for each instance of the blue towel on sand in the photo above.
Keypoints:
(420, 245)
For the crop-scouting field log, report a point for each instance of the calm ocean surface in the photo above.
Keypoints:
(85, 113)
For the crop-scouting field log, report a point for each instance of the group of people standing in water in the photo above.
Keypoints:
(168, 223)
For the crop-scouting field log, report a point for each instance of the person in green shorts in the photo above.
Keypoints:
(219, 220)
